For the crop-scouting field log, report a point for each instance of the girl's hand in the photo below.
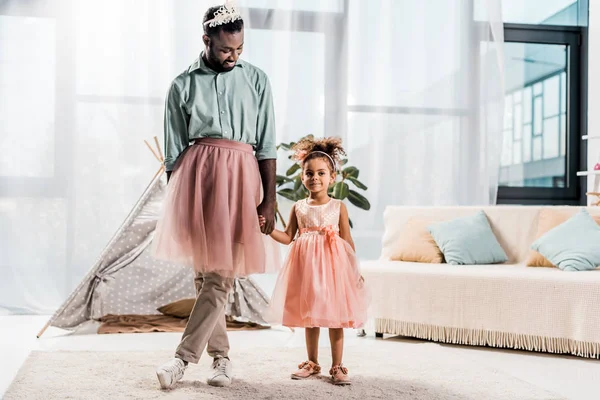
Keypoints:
(261, 221)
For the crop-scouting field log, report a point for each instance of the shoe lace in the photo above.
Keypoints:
(174, 368)
(220, 365)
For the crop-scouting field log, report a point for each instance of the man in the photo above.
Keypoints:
(223, 105)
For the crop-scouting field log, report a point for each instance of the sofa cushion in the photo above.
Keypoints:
(468, 240)
(549, 217)
(572, 245)
(415, 243)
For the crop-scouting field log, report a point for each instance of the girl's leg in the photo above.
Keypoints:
(312, 343)
(311, 367)
(339, 374)
(336, 338)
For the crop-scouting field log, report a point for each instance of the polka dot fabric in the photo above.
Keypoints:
(128, 280)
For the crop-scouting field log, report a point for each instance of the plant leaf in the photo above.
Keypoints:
(351, 171)
(358, 183)
(340, 190)
(359, 200)
(288, 194)
(292, 169)
(297, 182)
(281, 180)
(344, 161)
(350, 221)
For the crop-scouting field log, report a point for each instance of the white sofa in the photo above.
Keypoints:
(505, 305)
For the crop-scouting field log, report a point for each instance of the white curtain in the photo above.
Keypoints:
(415, 89)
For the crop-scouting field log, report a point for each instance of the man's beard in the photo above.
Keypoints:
(216, 64)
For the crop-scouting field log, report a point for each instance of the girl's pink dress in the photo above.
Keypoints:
(320, 284)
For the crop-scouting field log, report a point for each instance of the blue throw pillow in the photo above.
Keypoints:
(468, 240)
(573, 245)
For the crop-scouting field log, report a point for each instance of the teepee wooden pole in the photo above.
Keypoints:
(153, 151)
(160, 153)
(44, 329)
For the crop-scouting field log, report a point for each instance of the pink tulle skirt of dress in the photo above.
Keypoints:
(320, 285)
(209, 219)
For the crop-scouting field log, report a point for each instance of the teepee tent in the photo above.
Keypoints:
(126, 280)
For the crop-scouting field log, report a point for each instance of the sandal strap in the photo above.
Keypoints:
(309, 365)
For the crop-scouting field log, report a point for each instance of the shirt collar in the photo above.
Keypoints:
(201, 65)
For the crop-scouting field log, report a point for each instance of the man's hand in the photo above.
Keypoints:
(266, 215)
(267, 207)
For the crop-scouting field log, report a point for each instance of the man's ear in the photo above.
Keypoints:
(206, 39)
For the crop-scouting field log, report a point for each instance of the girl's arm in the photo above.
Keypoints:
(345, 226)
(287, 236)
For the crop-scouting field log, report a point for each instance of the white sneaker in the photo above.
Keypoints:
(221, 372)
(170, 372)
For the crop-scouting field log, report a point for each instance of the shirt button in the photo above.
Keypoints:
(225, 132)
(220, 92)
(222, 112)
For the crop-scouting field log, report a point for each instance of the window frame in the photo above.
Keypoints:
(575, 151)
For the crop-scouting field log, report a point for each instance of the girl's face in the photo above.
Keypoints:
(317, 175)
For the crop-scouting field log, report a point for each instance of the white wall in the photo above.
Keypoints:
(593, 89)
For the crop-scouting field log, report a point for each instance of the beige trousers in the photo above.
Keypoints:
(207, 325)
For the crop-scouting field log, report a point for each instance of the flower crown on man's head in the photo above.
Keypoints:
(227, 13)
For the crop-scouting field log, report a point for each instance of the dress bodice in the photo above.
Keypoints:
(322, 216)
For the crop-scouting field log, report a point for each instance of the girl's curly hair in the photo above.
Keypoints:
(309, 148)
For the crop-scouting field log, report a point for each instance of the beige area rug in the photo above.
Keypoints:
(386, 371)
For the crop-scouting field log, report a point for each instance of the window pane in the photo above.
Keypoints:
(537, 148)
(544, 12)
(550, 138)
(527, 104)
(507, 148)
(535, 153)
(518, 123)
(527, 143)
(563, 92)
(563, 134)
(27, 71)
(508, 112)
(517, 159)
(551, 99)
(517, 96)
(537, 115)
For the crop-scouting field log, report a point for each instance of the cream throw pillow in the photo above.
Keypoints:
(416, 244)
(549, 218)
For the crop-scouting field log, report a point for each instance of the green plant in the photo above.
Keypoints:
(290, 185)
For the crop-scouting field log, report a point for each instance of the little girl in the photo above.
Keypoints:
(320, 285)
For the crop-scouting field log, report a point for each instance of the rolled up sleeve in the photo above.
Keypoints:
(265, 126)
(176, 122)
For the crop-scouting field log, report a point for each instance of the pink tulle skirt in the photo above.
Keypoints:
(319, 286)
(209, 218)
